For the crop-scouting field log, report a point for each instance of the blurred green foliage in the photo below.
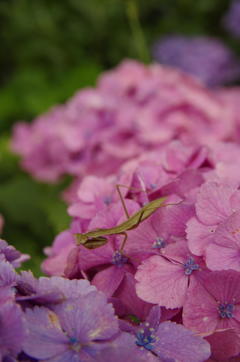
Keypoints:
(49, 49)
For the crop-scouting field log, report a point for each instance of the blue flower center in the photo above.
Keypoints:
(190, 266)
(146, 338)
(119, 259)
(153, 186)
(107, 200)
(74, 344)
(159, 243)
(226, 310)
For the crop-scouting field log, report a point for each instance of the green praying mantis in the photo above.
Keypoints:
(96, 238)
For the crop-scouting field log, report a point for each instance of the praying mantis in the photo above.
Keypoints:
(96, 238)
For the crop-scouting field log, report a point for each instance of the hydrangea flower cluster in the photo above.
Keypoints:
(206, 58)
(184, 258)
(134, 109)
(57, 319)
(170, 289)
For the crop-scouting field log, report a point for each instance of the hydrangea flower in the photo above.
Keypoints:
(10, 254)
(108, 264)
(57, 254)
(75, 330)
(12, 330)
(8, 276)
(164, 280)
(204, 57)
(96, 193)
(231, 20)
(167, 340)
(49, 291)
(215, 203)
(231, 96)
(214, 304)
(225, 245)
(134, 109)
(125, 348)
(165, 226)
(224, 344)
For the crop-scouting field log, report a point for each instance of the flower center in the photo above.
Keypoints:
(226, 310)
(159, 243)
(190, 266)
(107, 200)
(119, 259)
(146, 338)
(74, 344)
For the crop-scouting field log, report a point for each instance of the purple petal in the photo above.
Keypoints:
(45, 338)
(12, 329)
(89, 318)
(176, 342)
(124, 348)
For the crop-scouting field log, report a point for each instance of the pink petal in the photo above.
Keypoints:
(161, 282)
(224, 344)
(222, 257)
(213, 204)
(200, 310)
(199, 236)
(224, 285)
(109, 279)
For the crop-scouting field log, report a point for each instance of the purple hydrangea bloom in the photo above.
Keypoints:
(12, 330)
(124, 348)
(231, 20)
(8, 275)
(49, 291)
(73, 331)
(10, 254)
(168, 340)
(204, 57)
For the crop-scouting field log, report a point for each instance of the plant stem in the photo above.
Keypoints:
(137, 32)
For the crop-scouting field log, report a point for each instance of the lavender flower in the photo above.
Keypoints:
(167, 340)
(10, 254)
(8, 275)
(206, 58)
(231, 20)
(74, 330)
(12, 330)
(49, 291)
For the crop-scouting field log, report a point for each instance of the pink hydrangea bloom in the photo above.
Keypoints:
(58, 254)
(165, 226)
(224, 251)
(231, 97)
(133, 109)
(107, 265)
(224, 344)
(164, 280)
(96, 193)
(214, 304)
(215, 203)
